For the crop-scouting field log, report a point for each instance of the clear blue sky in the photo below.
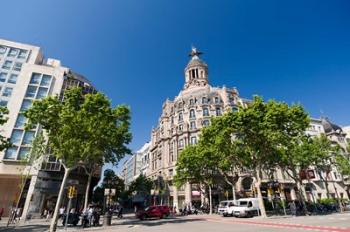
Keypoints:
(135, 51)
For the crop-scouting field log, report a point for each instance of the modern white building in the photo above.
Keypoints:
(24, 77)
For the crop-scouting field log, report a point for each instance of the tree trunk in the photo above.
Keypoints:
(233, 193)
(87, 191)
(326, 186)
(54, 219)
(260, 198)
(301, 195)
(210, 201)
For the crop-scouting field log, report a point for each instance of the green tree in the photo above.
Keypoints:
(4, 142)
(107, 134)
(218, 139)
(141, 185)
(112, 181)
(74, 129)
(343, 162)
(197, 165)
(262, 132)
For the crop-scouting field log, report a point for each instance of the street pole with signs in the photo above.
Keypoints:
(72, 192)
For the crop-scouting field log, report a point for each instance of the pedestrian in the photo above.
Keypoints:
(293, 208)
(1, 212)
(120, 212)
(62, 209)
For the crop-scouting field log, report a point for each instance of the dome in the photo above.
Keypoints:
(194, 62)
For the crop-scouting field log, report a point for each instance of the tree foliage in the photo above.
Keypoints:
(141, 185)
(81, 130)
(4, 142)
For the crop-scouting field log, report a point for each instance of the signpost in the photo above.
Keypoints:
(72, 192)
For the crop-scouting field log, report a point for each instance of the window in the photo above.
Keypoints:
(16, 136)
(42, 92)
(13, 52)
(35, 78)
(22, 54)
(218, 111)
(23, 153)
(181, 143)
(28, 137)
(206, 123)
(21, 120)
(191, 102)
(192, 114)
(7, 64)
(12, 79)
(3, 77)
(193, 125)
(11, 153)
(7, 92)
(26, 104)
(193, 140)
(3, 103)
(181, 117)
(45, 81)
(17, 66)
(2, 50)
(216, 100)
(181, 128)
(31, 91)
(204, 100)
(205, 112)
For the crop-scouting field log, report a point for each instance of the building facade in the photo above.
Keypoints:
(181, 121)
(24, 77)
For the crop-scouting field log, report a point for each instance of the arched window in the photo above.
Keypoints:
(205, 112)
(205, 123)
(218, 111)
(204, 100)
(192, 113)
(181, 117)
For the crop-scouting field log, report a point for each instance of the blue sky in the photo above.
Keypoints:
(135, 51)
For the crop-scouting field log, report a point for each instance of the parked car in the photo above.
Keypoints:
(246, 207)
(226, 208)
(156, 211)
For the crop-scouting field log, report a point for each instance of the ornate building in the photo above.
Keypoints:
(182, 120)
(180, 124)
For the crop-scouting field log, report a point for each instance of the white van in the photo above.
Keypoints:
(246, 207)
(225, 207)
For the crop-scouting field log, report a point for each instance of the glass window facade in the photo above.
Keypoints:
(16, 136)
(31, 91)
(7, 64)
(26, 104)
(7, 92)
(20, 122)
(11, 153)
(12, 79)
(35, 78)
(3, 76)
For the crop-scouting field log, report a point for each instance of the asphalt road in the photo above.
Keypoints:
(206, 223)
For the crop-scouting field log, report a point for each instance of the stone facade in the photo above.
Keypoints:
(181, 121)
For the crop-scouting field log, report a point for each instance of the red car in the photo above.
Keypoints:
(156, 211)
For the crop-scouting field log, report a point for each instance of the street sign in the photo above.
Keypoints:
(109, 192)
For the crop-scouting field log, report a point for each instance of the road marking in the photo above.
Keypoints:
(283, 225)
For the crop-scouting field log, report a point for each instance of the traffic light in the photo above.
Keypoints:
(72, 191)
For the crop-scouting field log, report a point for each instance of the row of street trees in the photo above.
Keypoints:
(262, 136)
(81, 130)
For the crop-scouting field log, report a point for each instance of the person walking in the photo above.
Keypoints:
(293, 208)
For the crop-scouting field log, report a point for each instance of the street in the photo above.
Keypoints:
(203, 223)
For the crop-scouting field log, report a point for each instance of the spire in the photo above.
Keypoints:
(196, 71)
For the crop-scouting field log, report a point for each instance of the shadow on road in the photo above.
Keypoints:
(156, 222)
(26, 228)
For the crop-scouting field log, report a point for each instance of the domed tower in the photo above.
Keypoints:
(196, 71)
